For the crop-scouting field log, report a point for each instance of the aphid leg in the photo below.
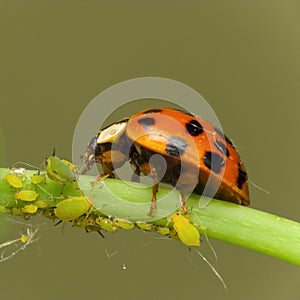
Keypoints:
(90, 228)
(109, 160)
(58, 222)
(62, 188)
(183, 203)
(101, 234)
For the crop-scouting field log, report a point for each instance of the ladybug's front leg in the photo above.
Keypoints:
(109, 160)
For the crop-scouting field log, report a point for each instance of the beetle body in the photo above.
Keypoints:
(197, 156)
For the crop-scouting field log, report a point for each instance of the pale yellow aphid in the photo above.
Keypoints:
(37, 179)
(123, 223)
(145, 226)
(187, 232)
(24, 238)
(14, 180)
(106, 224)
(26, 195)
(29, 209)
(21, 243)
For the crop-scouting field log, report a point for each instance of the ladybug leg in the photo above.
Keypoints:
(183, 203)
(147, 169)
(110, 160)
(153, 200)
(101, 177)
(136, 175)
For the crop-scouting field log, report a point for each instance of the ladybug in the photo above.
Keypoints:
(198, 157)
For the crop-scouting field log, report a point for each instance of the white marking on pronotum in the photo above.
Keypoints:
(111, 133)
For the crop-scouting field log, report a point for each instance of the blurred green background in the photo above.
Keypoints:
(242, 56)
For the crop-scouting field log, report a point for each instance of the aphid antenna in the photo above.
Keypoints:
(110, 255)
(45, 191)
(211, 247)
(147, 243)
(22, 163)
(213, 269)
(162, 238)
(258, 187)
(170, 216)
(209, 264)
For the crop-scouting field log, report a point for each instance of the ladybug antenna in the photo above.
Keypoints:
(53, 153)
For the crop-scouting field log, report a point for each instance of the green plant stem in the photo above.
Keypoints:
(235, 224)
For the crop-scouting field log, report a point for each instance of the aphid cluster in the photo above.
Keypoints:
(31, 197)
(178, 227)
(26, 191)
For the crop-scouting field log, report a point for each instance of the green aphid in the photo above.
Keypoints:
(163, 230)
(59, 171)
(40, 203)
(37, 179)
(106, 224)
(26, 195)
(16, 211)
(145, 226)
(84, 221)
(88, 223)
(30, 209)
(72, 208)
(70, 165)
(123, 223)
(187, 232)
(4, 209)
(14, 180)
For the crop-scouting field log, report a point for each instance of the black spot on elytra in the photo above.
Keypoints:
(153, 110)
(194, 128)
(222, 147)
(176, 146)
(219, 132)
(213, 161)
(146, 122)
(242, 177)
